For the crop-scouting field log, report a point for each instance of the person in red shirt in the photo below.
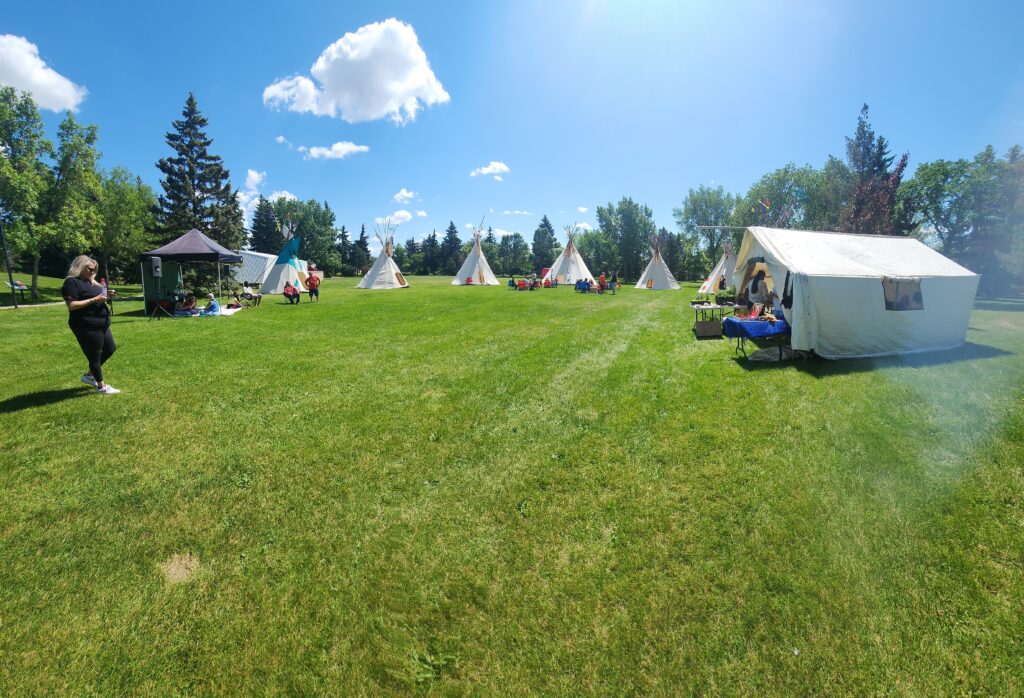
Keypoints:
(291, 293)
(313, 284)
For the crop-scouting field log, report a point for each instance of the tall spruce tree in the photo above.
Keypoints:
(431, 253)
(874, 207)
(544, 244)
(266, 237)
(451, 250)
(197, 188)
(360, 259)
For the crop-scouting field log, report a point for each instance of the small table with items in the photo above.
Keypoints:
(742, 329)
(708, 317)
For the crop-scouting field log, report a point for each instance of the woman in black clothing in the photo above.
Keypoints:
(89, 319)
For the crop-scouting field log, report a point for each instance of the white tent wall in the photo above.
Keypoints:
(254, 268)
(839, 308)
(726, 265)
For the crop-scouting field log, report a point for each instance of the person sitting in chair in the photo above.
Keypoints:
(252, 295)
(291, 293)
(757, 290)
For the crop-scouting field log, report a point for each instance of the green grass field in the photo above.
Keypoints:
(49, 290)
(475, 491)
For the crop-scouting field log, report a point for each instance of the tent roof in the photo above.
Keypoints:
(843, 254)
(193, 246)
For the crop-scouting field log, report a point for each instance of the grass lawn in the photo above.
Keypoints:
(470, 490)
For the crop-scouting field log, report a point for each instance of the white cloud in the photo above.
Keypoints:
(506, 212)
(404, 196)
(397, 218)
(492, 168)
(584, 226)
(379, 71)
(582, 209)
(284, 141)
(468, 226)
(338, 151)
(421, 214)
(249, 197)
(501, 232)
(253, 179)
(283, 194)
(499, 178)
(22, 68)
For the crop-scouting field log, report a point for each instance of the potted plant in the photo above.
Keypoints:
(726, 297)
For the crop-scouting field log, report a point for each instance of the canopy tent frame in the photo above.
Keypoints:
(193, 246)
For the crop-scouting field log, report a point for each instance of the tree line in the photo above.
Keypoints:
(970, 209)
(55, 202)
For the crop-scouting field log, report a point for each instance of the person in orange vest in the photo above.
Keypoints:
(313, 284)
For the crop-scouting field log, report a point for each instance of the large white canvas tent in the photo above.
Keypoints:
(569, 267)
(384, 273)
(287, 267)
(475, 270)
(254, 268)
(861, 295)
(724, 269)
(657, 276)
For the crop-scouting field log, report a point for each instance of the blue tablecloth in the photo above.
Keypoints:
(734, 328)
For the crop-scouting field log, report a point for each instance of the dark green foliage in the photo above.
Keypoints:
(545, 246)
(361, 257)
(599, 250)
(128, 224)
(630, 226)
(451, 257)
(873, 208)
(265, 236)
(514, 255)
(197, 189)
(431, 250)
(974, 211)
(705, 206)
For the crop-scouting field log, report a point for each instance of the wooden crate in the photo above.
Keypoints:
(707, 328)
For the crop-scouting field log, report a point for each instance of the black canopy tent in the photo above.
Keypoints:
(193, 246)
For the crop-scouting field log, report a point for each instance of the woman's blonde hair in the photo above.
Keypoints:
(80, 264)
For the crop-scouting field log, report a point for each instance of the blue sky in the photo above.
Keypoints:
(583, 102)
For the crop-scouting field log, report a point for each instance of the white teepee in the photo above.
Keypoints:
(475, 270)
(384, 273)
(657, 276)
(725, 268)
(569, 267)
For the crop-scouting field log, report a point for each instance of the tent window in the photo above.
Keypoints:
(902, 294)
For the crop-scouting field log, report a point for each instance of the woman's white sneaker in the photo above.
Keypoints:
(108, 390)
(89, 380)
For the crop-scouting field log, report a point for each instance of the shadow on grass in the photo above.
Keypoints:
(41, 398)
(1006, 305)
(821, 368)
